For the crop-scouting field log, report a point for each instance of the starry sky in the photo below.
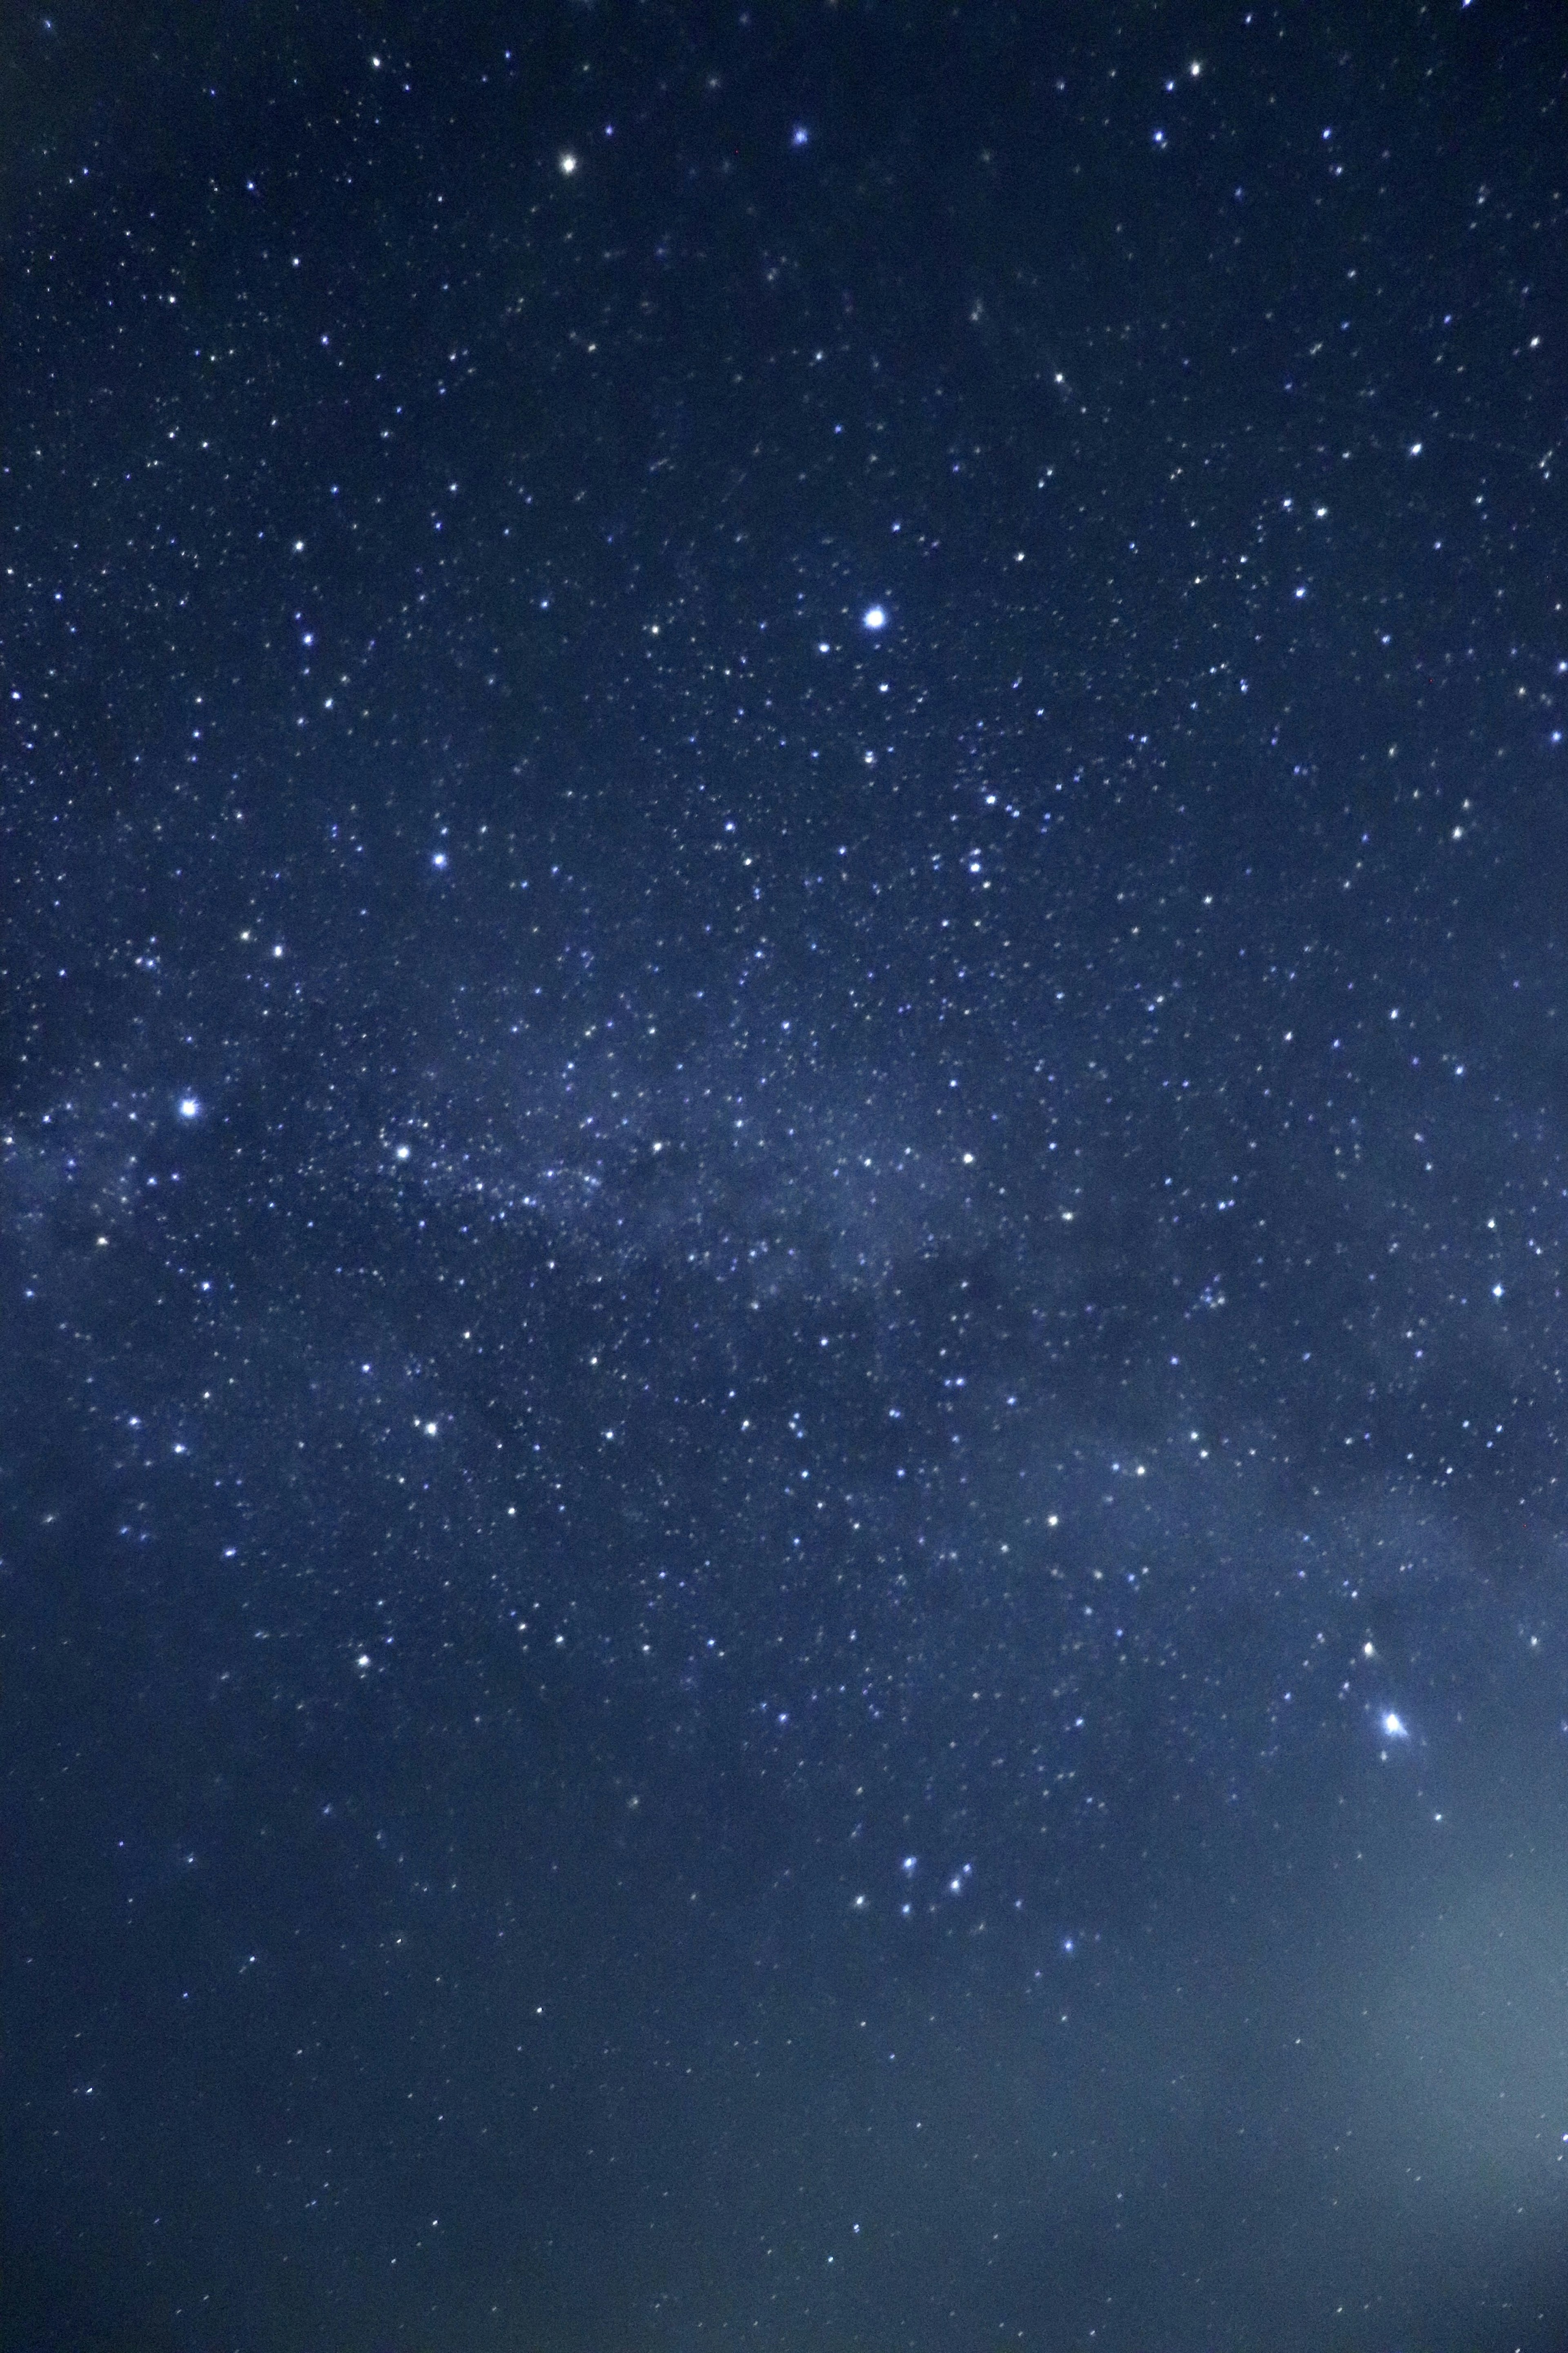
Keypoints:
(783, 1166)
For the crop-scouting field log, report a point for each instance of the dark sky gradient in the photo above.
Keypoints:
(784, 1176)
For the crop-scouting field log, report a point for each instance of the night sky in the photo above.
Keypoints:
(784, 1177)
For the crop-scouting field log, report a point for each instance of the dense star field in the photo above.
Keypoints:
(782, 1179)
